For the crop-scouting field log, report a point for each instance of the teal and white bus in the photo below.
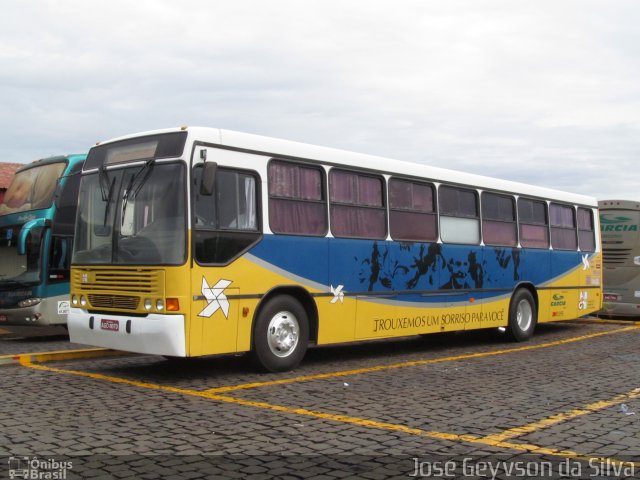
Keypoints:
(619, 225)
(37, 218)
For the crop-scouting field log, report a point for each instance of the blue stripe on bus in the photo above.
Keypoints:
(381, 266)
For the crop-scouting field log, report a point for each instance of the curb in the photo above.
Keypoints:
(41, 357)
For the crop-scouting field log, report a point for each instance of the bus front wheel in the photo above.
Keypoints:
(522, 315)
(281, 334)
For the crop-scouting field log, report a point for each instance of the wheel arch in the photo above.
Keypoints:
(532, 289)
(302, 296)
(522, 323)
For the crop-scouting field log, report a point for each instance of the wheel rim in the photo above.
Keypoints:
(524, 315)
(283, 334)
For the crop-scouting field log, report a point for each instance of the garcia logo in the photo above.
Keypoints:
(610, 223)
(558, 300)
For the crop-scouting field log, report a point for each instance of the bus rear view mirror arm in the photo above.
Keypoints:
(26, 230)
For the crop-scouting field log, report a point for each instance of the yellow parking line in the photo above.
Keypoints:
(362, 422)
(415, 363)
(26, 362)
(563, 417)
(60, 355)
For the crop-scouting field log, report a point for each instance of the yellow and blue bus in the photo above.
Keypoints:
(620, 223)
(199, 241)
(37, 218)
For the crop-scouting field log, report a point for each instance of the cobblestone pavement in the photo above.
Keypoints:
(16, 340)
(468, 405)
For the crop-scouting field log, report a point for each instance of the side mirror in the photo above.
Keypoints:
(208, 181)
(26, 230)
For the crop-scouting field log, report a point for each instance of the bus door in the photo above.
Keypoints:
(226, 224)
(214, 314)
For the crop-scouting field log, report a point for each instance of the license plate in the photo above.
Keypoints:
(611, 297)
(3, 318)
(111, 325)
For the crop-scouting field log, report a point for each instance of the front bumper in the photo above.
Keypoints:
(155, 334)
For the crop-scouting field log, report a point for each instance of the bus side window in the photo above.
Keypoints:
(297, 203)
(534, 224)
(498, 220)
(357, 205)
(412, 212)
(236, 201)
(563, 227)
(586, 237)
(459, 215)
(227, 222)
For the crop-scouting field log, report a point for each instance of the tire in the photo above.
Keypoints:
(280, 334)
(523, 315)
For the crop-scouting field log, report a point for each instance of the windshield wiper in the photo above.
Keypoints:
(143, 175)
(107, 197)
(105, 190)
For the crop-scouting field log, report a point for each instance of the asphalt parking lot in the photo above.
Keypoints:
(470, 405)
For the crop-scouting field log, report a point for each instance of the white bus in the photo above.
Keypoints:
(199, 241)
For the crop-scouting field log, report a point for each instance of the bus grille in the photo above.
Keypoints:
(150, 282)
(118, 288)
(114, 301)
(616, 256)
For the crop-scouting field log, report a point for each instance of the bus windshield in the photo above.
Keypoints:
(132, 216)
(19, 269)
(32, 188)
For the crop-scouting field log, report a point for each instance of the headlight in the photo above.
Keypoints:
(83, 300)
(29, 302)
(148, 304)
(159, 305)
(74, 300)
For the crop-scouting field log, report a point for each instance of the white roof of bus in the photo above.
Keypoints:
(279, 147)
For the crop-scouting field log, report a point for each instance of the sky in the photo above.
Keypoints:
(544, 92)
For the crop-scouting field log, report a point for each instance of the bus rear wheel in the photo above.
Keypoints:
(523, 315)
(281, 334)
